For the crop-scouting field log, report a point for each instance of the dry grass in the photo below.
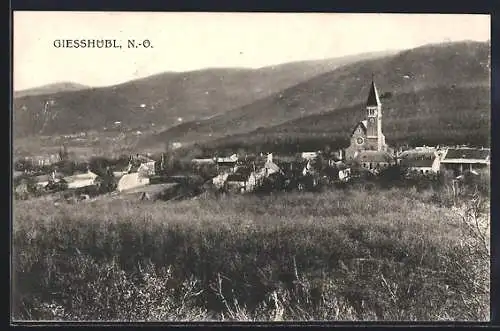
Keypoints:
(338, 255)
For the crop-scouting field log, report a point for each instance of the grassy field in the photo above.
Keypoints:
(395, 254)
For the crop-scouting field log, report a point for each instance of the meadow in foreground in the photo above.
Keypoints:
(354, 254)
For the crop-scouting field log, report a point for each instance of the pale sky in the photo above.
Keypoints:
(191, 41)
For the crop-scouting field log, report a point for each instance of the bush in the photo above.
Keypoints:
(354, 254)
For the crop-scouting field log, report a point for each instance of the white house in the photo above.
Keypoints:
(424, 165)
(147, 168)
(81, 180)
(461, 159)
(309, 155)
(131, 181)
(43, 180)
(200, 161)
(423, 160)
(344, 173)
(229, 159)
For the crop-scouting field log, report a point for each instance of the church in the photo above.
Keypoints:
(368, 146)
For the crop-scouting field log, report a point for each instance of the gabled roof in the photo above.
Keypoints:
(287, 158)
(288, 163)
(467, 154)
(272, 166)
(417, 154)
(417, 163)
(374, 156)
(84, 176)
(47, 177)
(373, 98)
(240, 175)
(363, 124)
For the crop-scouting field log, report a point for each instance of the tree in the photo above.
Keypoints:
(63, 153)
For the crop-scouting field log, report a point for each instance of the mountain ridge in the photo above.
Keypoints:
(161, 99)
(409, 71)
(50, 89)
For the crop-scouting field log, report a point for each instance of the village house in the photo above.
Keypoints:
(460, 159)
(268, 168)
(229, 159)
(243, 180)
(143, 164)
(42, 161)
(291, 167)
(422, 160)
(21, 190)
(227, 164)
(248, 176)
(131, 181)
(428, 165)
(147, 169)
(344, 172)
(374, 161)
(81, 180)
(203, 161)
(309, 155)
(42, 181)
(367, 143)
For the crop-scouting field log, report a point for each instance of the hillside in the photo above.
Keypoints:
(426, 84)
(50, 88)
(163, 100)
(432, 116)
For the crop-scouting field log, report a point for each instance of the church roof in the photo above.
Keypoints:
(363, 124)
(373, 98)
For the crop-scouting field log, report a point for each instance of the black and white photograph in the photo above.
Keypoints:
(250, 167)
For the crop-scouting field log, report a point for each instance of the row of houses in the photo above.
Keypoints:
(427, 160)
(42, 160)
(244, 176)
(78, 180)
(246, 173)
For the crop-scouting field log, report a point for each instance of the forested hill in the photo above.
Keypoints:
(162, 100)
(408, 118)
(435, 93)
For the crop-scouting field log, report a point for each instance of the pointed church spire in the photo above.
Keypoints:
(373, 98)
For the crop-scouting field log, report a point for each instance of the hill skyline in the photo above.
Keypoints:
(410, 72)
(307, 100)
(54, 87)
(162, 99)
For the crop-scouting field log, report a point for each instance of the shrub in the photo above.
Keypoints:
(350, 254)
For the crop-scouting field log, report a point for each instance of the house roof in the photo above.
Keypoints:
(240, 175)
(288, 163)
(466, 154)
(287, 158)
(374, 156)
(84, 176)
(141, 158)
(417, 163)
(47, 177)
(373, 98)
(415, 154)
(272, 166)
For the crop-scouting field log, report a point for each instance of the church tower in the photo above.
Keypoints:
(374, 136)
